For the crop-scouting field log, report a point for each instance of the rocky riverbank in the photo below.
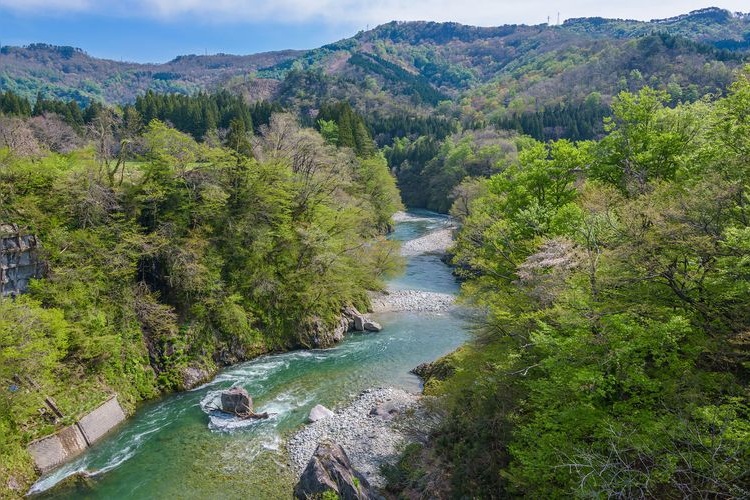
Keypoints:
(372, 429)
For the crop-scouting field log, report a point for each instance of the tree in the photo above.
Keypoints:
(645, 141)
(237, 138)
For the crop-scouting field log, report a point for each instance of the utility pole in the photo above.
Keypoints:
(558, 19)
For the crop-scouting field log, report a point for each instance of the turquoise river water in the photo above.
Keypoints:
(168, 449)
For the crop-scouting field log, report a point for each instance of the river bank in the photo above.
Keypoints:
(132, 462)
(372, 429)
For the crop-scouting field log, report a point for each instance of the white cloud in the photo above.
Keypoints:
(47, 5)
(361, 12)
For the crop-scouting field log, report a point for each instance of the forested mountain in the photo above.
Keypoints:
(421, 64)
(70, 73)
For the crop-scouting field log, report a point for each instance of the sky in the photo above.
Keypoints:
(159, 30)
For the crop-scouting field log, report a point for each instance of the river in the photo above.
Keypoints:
(167, 450)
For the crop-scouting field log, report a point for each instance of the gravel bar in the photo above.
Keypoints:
(435, 242)
(411, 300)
(369, 441)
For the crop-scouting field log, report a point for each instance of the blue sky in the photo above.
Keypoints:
(159, 30)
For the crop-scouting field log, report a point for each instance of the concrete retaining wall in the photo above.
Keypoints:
(101, 421)
(52, 451)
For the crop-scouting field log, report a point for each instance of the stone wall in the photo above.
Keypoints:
(52, 451)
(19, 261)
(100, 421)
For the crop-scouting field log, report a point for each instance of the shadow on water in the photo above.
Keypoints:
(167, 449)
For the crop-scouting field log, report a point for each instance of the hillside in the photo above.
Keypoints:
(70, 73)
(407, 65)
(490, 73)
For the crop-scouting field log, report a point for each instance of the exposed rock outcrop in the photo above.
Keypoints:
(319, 412)
(237, 401)
(358, 322)
(19, 260)
(351, 320)
(437, 371)
(329, 470)
(386, 410)
(193, 376)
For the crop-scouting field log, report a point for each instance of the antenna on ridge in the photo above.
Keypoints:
(558, 19)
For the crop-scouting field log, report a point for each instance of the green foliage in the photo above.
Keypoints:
(196, 115)
(197, 256)
(406, 471)
(428, 171)
(646, 141)
(14, 105)
(416, 86)
(329, 129)
(339, 121)
(237, 138)
(330, 495)
(580, 121)
(613, 359)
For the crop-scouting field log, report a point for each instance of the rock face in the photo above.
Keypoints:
(359, 322)
(193, 376)
(439, 370)
(372, 326)
(322, 336)
(329, 469)
(319, 412)
(19, 260)
(236, 400)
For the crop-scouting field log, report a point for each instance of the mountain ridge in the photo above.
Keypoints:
(416, 65)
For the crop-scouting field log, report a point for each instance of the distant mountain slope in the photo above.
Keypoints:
(486, 73)
(490, 74)
(70, 73)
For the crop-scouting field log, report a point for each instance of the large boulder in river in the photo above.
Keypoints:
(236, 400)
(371, 326)
(359, 322)
(329, 470)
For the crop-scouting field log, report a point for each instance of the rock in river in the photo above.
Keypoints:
(359, 322)
(236, 400)
(329, 469)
